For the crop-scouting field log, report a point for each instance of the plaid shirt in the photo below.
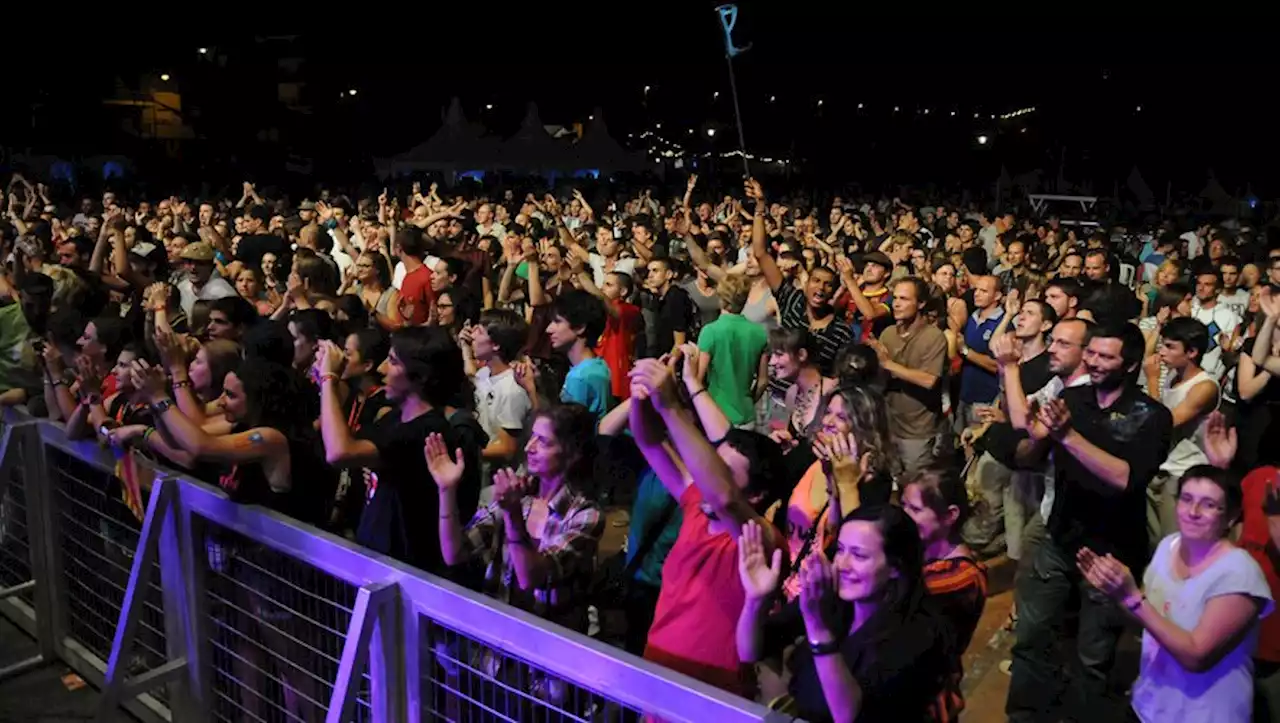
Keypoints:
(568, 540)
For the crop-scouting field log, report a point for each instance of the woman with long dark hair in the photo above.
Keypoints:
(873, 651)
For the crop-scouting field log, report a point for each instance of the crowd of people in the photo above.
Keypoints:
(822, 415)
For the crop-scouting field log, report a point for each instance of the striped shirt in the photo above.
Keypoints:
(959, 587)
(829, 340)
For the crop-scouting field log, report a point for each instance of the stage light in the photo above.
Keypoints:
(488, 106)
(351, 92)
(772, 98)
(646, 89)
(819, 102)
(658, 126)
(203, 51)
(953, 114)
(859, 106)
(591, 117)
(164, 77)
(895, 109)
(715, 95)
(1139, 109)
(711, 132)
(982, 140)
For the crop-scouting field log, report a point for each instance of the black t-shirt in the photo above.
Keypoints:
(900, 670)
(402, 508)
(1001, 439)
(671, 314)
(1086, 510)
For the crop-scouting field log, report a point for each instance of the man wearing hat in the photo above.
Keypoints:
(866, 302)
(201, 281)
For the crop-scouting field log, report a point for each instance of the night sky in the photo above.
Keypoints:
(1204, 91)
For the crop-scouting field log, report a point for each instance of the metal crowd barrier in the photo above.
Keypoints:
(206, 610)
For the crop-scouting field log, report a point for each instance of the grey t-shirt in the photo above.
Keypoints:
(1165, 691)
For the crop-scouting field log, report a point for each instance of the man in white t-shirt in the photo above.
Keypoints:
(607, 258)
(1232, 296)
(486, 225)
(1223, 323)
(1191, 394)
(502, 405)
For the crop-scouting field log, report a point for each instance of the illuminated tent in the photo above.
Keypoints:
(598, 151)
(458, 146)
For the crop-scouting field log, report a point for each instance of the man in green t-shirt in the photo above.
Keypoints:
(732, 364)
(20, 312)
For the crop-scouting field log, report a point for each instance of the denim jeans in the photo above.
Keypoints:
(1037, 682)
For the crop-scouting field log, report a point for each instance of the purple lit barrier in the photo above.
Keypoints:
(224, 612)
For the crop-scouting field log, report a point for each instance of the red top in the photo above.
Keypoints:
(847, 311)
(617, 345)
(1256, 540)
(416, 296)
(695, 624)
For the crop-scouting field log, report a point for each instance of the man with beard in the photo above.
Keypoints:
(809, 310)
(1065, 354)
(1107, 441)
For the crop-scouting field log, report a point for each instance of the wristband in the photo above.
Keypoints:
(695, 394)
(181, 384)
(146, 435)
(162, 406)
(828, 648)
(1133, 607)
(328, 378)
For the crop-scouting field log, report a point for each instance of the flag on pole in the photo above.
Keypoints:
(729, 18)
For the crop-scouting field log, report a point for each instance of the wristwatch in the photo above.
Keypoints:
(162, 406)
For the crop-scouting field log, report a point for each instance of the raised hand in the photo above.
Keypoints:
(1220, 441)
(754, 191)
(1007, 349)
(509, 490)
(759, 576)
(652, 380)
(329, 359)
(1055, 416)
(817, 597)
(445, 470)
(149, 380)
(1107, 574)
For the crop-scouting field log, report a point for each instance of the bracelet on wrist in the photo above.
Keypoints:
(828, 647)
(180, 383)
(695, 394)
(1133, 605)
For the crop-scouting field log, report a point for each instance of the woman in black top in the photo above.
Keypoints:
(274, 461)
(422, 373)
(365, 402)
(870, 650)
(272, 449)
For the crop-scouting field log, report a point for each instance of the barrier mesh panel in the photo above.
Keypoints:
(465, 680)
(277, 626)
(15, 544)
(98, 536)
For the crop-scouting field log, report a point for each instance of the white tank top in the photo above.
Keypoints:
(1187, 449)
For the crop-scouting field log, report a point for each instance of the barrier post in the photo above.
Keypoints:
(116, 688)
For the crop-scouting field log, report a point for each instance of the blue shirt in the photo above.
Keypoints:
(587, 383)
(977, 385)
